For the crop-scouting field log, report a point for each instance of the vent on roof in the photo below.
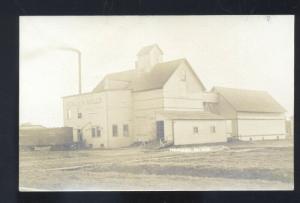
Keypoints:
(148, 57)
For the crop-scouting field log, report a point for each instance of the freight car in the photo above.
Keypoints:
(46, 138)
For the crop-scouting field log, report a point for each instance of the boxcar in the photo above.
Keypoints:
(56, 138)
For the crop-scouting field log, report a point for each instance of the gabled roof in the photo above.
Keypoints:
(147, 49)
(126, 76)
(155, 79)
(250, 100)
(122, 76)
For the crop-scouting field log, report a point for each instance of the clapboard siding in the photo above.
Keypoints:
(183, 95)
(184, 134)
(145, 106)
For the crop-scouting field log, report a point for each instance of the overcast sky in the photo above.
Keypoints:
(251, 52)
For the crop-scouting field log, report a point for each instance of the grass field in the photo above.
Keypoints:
(264, 165)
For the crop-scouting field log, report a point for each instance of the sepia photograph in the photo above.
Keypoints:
(156, 103)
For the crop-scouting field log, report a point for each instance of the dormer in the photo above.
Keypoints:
(148, 57)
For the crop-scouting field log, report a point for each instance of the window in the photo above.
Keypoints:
(79, 115)
(69, 114)
(125, 130)
(196, 130)
(93, 132)
(213, 129)
(98, 132)
(115, 130)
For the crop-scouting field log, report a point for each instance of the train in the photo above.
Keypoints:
(46, 138)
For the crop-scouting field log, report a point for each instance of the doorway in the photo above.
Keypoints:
(79, 136)
(160, 132)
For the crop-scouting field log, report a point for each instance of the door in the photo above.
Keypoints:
(79, 136)
(160, 130)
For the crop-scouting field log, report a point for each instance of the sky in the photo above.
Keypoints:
(250, 52)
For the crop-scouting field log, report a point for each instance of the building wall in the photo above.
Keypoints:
(145, 106)
(92, 108)
(184, 131)
(261, 126)
(183, 95)
(176, 95)
(224, 108)
(250, 125)
(261, 115)
(119, 112)
(100, 110)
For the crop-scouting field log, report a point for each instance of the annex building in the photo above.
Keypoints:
(156, 100)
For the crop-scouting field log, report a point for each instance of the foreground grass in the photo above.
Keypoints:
(256, 166)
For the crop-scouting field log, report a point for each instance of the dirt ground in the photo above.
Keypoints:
(264, 165)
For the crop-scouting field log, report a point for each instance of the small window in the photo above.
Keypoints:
(196, 130)
(69, 114)
(93, 132)
(115, 130)
(213, 129)
(98, 132)
(79, 115)
(125, 130)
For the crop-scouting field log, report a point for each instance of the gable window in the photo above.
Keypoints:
(125, 130)
(196, 130)
(98, 132)
(213, 129)
(115, 130)
(79, 115)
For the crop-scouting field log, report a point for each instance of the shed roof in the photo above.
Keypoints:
(250, 100)
(154, 79)
(191, 115)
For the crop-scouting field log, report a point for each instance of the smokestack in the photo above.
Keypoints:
(79, 64)
(79, 72)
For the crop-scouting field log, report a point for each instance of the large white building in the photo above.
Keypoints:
(156, 100)
(250, 114)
